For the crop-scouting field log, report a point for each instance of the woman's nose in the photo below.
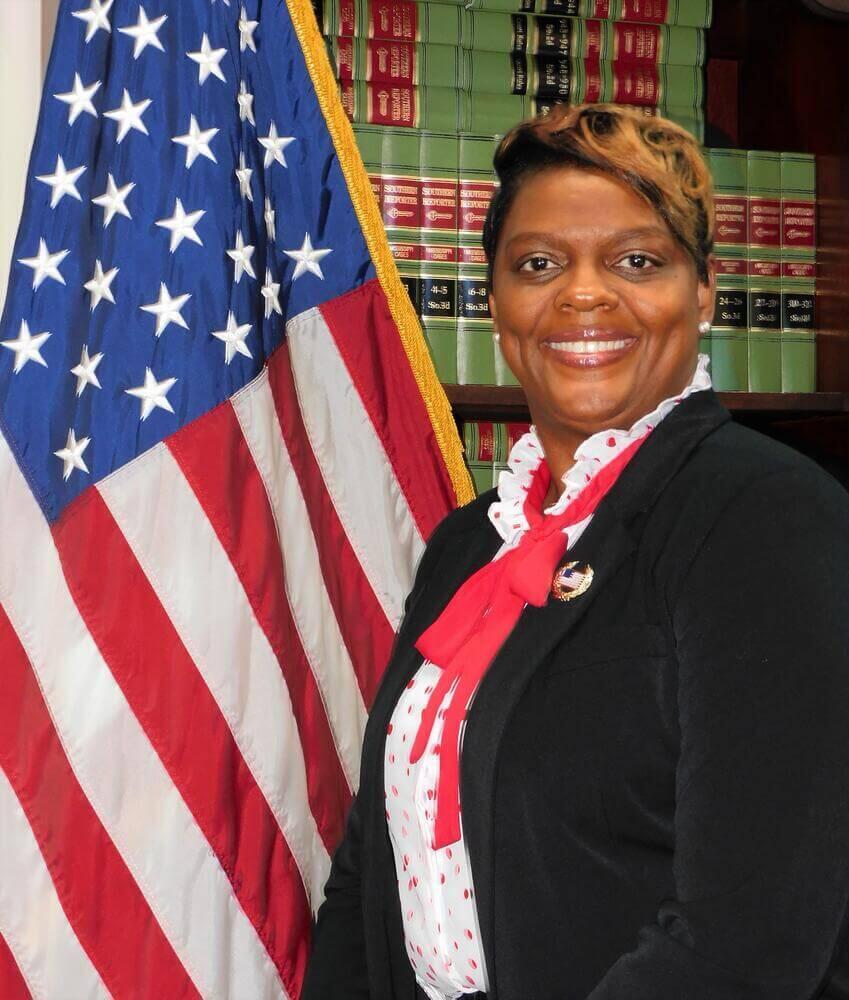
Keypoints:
(584, 287)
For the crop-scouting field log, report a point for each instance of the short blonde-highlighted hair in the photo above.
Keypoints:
(660, 160)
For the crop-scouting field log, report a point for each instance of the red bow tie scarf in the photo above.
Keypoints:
(465, 638)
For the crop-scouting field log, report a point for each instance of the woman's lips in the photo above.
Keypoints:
(589, 352)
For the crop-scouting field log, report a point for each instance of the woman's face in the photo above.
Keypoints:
(597, 304)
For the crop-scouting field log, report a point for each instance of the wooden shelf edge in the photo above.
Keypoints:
(495, 402)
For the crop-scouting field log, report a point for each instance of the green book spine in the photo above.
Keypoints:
(438, 304)
(695, 13)
(730, 171)
(729, 347)
(650, 85)
(764, 294)
(400, 187)
(798, 273)
(479, 442)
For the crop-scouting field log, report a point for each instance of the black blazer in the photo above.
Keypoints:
(655, 775)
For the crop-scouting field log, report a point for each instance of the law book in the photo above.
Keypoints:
(451, 110)
(764, 278)
(728, 346)
(479, 445)
(487, 31)
(549, 76)
(798, 272)
(410, 20)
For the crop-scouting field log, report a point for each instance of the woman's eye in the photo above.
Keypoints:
(638, 262)
(537, 263)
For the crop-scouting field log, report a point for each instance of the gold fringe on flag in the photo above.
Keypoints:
(359, 188)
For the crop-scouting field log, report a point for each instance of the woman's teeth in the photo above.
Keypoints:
(587, 346)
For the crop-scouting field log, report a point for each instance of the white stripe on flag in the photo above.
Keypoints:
(357, 472)
(306, 593)
(48, 952)
(118, 769)
(170, 535)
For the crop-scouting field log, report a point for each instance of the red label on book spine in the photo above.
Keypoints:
(391, 105)
(799, 224)
(401, 201)
(406, 251)
(486, 441)
(601, 8)
(514, 432)
(730, 220)
(765, 222)
(592, 82)
(376, 182)
(391, 62)
(635, 84)
(475, 197)
(765, 268)
(347, 17)
(439, 254)
(636, 43)
(393, 19)
(344, 59)
(732, 265)
(594, 39)
(806, 269)
(346, 92)
(648, 11)
(439, 204)
(472, 255)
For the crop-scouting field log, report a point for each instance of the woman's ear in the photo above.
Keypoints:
(707, 292)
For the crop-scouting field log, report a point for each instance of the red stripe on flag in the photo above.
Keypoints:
(216, 461)
(185, 726)
(120, 934)
(368, 341)
(12, 983)
(366, 630)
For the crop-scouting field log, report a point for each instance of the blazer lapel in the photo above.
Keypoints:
(605, 544)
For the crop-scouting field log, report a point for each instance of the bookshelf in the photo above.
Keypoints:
(777, 79)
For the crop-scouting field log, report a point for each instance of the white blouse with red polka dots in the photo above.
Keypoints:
(438, 908)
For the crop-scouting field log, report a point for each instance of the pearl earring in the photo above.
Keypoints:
(496, 336)
(704, 327)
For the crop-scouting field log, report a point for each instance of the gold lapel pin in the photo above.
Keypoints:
(571, 581)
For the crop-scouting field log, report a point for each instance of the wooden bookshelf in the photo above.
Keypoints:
(777, 79)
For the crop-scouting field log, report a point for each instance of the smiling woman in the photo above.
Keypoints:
(608, 758)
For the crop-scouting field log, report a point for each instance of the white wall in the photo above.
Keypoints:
(26, 31)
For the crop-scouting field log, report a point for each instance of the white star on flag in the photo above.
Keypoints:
(113, 200)
(208, 60)
(234, 339)
(307, 258)
(167, 310)
(241, 255)
(79, 99)
(62, 182)
(129, 116)
(245, 101)
(45, 264)
(246, 32)
(72, 454)
(274, 145)
(182, 225)
(99, 285)
(27, 347)
(271, 294)
(86, 371)
(96, 17)
(196, 141)
(244, 174)
(270, 217)
(145, 32)
(152, 394)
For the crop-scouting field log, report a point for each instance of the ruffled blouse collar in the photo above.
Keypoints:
(507, 512)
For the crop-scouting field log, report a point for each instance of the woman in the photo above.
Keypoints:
(610, 756)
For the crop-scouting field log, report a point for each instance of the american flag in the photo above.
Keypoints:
(221, 448)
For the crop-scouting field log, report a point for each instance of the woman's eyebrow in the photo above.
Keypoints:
(616, 236)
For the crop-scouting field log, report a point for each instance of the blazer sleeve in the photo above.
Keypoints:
(761, 863)
(337, 967)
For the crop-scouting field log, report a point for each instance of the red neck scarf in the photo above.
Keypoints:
(468, 634)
